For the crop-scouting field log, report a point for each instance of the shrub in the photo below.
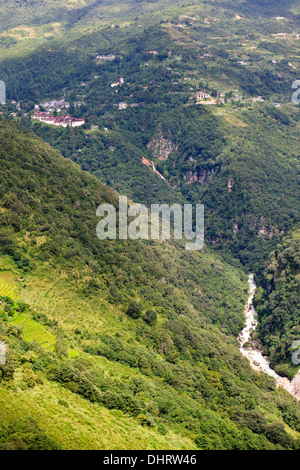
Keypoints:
(161, 428)
(202, 442)
(277, 434)
(150, 317)
(125, 402)
(285, 370)
(72, 386)
(145, 420)
(29, 378)
(25, 435)
(63, 403)
(137, 384)
(255, 421)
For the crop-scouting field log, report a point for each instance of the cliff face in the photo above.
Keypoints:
(161, 147)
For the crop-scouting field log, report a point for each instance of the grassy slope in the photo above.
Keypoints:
(82, 425)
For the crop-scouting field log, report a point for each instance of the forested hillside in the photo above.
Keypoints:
(239, 156)
(141, 332)
(82, 13)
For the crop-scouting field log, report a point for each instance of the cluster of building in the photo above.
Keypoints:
(119, 83)
(202, 95)
(55, 105)
(63, 121)
(105, 58)
(123, 105)
(17, 105)
(205, 98)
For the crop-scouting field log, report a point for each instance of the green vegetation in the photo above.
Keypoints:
(24, 435)
(176, 374)
(132, 344)
(238, 157)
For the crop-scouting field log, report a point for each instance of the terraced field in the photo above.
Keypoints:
(33, 331)
(8, 290)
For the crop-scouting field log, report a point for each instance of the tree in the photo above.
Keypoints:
(277, 434)
(134, 309)
(61, 348)
(150, 317)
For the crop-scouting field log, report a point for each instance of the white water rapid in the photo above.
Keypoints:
(254, 355)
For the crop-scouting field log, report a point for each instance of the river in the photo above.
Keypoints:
(2, 352)
(157, 172)
(257, 361)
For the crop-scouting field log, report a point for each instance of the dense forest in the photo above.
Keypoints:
(133, 344)
(278, 303)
